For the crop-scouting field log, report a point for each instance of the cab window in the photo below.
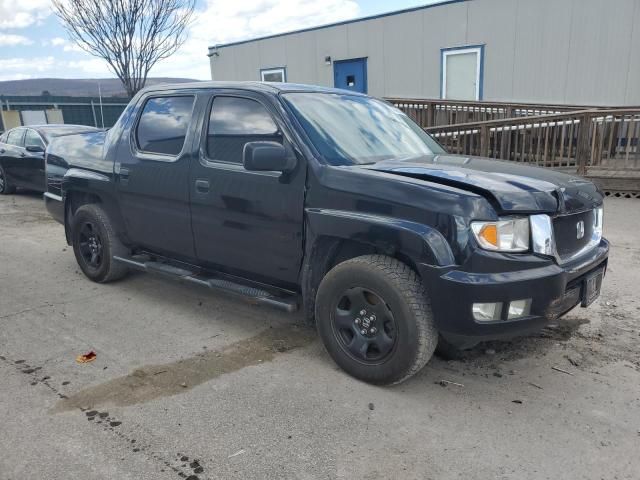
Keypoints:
(162, 127)
(233, 122)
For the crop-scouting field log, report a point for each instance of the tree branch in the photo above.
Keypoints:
(130, 35)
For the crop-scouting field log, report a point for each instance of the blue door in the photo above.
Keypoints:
(351, 74)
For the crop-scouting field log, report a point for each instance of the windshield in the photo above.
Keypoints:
(351, 129)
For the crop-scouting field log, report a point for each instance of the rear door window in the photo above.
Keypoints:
(235, 121)
(15, 137)
(163, 124)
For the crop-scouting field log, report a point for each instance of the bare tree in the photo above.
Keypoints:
(130, 35)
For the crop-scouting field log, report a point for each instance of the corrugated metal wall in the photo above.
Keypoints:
(75, 110)
(543, 51)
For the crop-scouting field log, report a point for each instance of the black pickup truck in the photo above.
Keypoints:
(294, 195)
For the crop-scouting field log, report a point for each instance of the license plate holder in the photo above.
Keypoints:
(591, 287)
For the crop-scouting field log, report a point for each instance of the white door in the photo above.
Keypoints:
(33, 117)
(461, 74)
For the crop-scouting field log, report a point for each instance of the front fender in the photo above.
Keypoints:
(421, 243)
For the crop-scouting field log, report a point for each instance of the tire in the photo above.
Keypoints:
(5, 187)
(363, 303)
(95, 243)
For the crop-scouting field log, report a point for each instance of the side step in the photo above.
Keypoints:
(255, 293)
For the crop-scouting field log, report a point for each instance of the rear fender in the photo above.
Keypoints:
(82, 187)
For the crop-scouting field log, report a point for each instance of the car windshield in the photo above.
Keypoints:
(352, 129)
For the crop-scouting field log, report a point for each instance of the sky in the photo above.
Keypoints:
(33, 43)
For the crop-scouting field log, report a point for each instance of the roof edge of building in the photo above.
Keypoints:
(337, 24)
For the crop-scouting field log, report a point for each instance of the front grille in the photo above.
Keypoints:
(566, 229)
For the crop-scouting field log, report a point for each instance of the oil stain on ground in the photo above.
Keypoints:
(153, 381)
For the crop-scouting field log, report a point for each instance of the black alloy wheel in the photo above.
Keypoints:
(95, 243)
(91, 247)
(374, 318)
(364, 326)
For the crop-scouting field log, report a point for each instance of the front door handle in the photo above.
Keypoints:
(202, 186)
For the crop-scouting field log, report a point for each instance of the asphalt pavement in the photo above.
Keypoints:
(192, 384)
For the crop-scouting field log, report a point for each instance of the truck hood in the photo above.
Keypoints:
(509, 186)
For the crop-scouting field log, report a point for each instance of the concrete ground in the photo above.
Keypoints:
(190, 384)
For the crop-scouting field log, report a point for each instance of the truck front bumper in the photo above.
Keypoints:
(553, 289)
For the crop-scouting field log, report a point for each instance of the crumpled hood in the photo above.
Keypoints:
(513, 187)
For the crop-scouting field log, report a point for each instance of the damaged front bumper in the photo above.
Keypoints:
(553, 290)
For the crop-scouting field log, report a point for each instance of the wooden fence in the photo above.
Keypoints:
(431, 113)
(600, 143)
(580, 141)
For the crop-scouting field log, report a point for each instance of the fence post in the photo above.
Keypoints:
(484, 141)
(583, 146)
(431, 114)
(509, 112)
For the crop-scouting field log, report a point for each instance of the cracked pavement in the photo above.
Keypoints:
(191, 384)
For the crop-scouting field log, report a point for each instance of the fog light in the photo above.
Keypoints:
(487, 312)
(519, 308)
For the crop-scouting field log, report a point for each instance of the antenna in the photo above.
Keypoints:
(101, 111)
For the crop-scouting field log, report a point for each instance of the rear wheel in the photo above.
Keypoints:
(5, 187)
(375, 320)
(95, 243)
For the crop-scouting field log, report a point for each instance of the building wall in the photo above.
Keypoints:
(548, 51)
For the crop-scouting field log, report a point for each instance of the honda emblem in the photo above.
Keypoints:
(579, 229)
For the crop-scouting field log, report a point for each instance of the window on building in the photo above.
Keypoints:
(163, 125)
(462, 73)
(15, 137)
(273, 75)
(233, 122)
(32, 139)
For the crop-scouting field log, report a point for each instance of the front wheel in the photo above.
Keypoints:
(375, 320)
(5, 187)
(95, 243)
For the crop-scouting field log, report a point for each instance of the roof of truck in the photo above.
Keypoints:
(270, 87)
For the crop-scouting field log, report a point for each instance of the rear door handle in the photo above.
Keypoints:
(202, 186)
(124, 175)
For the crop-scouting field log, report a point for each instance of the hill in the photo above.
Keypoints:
(76, 87)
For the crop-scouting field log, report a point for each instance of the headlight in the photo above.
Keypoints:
(505, 235)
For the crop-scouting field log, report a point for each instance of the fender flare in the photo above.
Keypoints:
(421, 243)
(93, 184)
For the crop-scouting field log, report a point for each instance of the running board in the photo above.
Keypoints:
(283, 300)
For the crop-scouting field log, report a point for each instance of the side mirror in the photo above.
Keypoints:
(267, 157)
(34, 148)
